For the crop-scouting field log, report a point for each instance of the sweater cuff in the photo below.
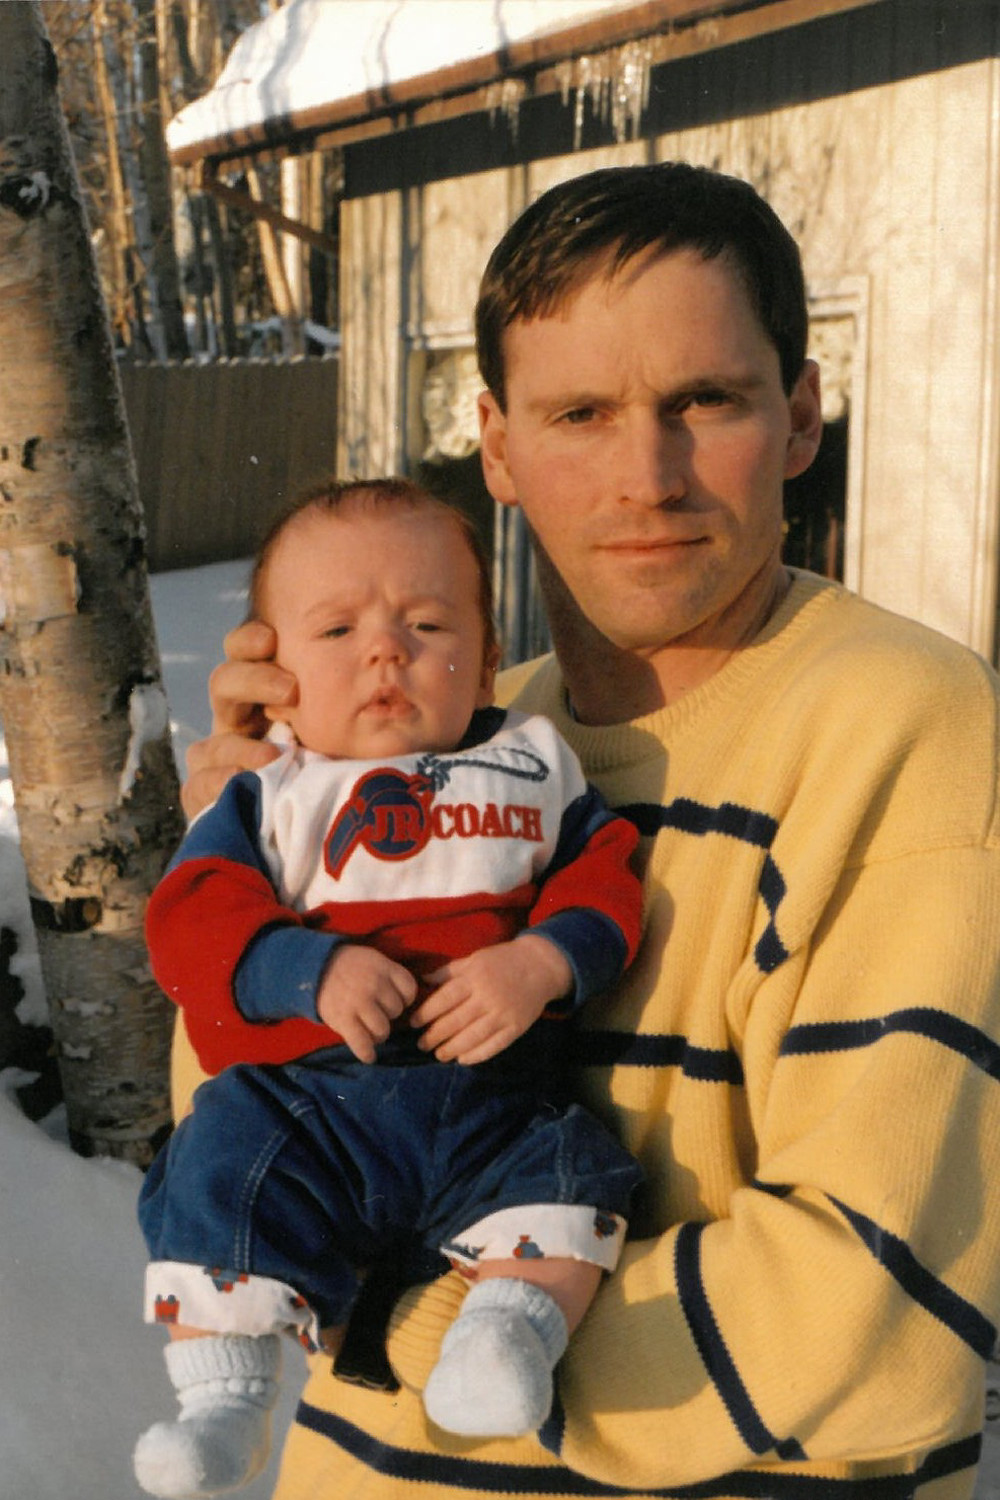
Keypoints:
(279, 975)
(594, 947)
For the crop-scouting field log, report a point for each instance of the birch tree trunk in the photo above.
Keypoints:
(83, 709)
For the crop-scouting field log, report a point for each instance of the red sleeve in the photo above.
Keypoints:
(201, 919)
(599, 877)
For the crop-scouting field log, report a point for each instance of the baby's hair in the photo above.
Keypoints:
(358, 497)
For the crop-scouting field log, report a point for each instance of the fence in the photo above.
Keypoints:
(220, 448)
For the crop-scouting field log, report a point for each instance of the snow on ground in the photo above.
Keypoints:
(80, 1374)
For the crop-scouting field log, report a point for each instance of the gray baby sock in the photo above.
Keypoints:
(226, 1386)
(493, 1377)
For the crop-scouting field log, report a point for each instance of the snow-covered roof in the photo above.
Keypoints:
(288, 72)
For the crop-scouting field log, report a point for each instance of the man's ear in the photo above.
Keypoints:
(807, 421)
(493, 450)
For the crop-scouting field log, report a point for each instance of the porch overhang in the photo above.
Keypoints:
(318, 74)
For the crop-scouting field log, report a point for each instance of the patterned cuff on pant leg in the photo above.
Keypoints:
(535, 1231)
(224, 1301)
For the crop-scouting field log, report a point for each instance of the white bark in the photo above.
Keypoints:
(94, 780)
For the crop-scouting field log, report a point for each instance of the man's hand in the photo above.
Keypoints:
(360, 995)
(488, 999)
(245, 691)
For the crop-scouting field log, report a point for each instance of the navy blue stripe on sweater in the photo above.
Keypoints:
(964, 1320)
(936, 1025)
(443, 1469)
(729, 819)
(612, 1049)
(714, 1354)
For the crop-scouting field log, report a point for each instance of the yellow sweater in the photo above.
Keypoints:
(805, 1058)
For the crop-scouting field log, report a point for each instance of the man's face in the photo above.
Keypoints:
(646, 437)
(377, 616)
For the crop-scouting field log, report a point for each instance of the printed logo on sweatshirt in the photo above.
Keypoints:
(394, 815)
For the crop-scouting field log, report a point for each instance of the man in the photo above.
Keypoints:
(804, 1056)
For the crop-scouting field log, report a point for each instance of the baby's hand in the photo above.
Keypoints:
(487, 1000)
(360, 995)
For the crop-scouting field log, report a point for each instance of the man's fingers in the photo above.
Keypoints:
(250, 641)
(201, 789)
(230, 753)
(211, 762)
(237, 691)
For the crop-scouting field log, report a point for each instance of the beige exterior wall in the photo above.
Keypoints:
(372, 374)
(893, 195)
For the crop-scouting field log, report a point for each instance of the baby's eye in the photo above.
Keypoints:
(334, 632)
(428, 626)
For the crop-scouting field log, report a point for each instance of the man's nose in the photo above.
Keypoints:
(654, 460)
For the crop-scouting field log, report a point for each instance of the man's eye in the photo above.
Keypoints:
(710, 398)
(578, 416)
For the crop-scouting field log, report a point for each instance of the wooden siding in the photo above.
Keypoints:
(220, 448)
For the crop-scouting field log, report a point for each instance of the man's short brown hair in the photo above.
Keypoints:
(603, 219)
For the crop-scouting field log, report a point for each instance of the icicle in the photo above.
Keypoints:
(617, 84)
(506, 96)
(565, 73)
(630, 94)
(708, 31)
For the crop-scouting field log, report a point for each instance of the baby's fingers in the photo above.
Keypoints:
(473, 1043)
(441, 1002)
(354, 1034)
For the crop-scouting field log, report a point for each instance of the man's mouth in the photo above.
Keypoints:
(650, 545)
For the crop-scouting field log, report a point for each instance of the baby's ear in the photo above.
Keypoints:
(487, 682)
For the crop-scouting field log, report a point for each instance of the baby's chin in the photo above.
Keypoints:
(390, 742)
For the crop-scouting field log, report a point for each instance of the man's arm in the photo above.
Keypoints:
(841, 1309)
(243, 691)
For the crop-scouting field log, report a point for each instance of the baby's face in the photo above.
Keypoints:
(377, 615)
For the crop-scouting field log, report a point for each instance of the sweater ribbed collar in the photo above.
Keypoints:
(618, 746)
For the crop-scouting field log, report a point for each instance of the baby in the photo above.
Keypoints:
(376, 941)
